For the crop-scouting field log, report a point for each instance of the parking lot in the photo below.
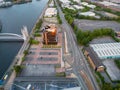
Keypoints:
(38, 70)
(94, 24)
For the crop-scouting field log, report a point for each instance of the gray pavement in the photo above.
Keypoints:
(112, 69)
(44, 83)
(38, 70)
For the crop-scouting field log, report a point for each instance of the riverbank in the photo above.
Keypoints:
(18, 59)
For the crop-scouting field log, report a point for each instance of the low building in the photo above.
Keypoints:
(65, 1)
(84, 3)
(107, 50)
(87, 13)
(78, 7)
(91, 6)
(114, 1)
(78, 1)
(50, 12)
(50, 35)
(106, 3)
(93, 59)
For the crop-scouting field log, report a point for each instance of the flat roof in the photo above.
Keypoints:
(107, 49)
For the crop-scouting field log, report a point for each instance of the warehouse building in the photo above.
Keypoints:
(93, 59)
(89, 13)
(107, 50)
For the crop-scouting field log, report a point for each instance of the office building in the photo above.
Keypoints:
(50, 35)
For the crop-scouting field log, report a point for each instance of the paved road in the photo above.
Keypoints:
(79, 63)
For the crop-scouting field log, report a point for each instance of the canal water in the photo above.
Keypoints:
(13, 19)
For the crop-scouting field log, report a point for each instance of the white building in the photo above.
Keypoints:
(51, 3)
(84, 3)
(87, 13)
(50, 12)
(107, 50)
(78, 7)
(91, 6)
(78, 1)
(68, 6)
(106, 3)
(65, 1)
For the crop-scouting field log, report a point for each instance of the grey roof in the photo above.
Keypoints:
(96, 60)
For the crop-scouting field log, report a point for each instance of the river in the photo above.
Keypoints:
(13, 19)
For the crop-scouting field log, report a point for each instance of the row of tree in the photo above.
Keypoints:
(84, 37)
(59, 19)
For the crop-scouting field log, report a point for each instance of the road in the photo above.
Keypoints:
(79, 63)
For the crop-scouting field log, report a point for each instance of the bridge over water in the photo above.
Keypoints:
(14, 37)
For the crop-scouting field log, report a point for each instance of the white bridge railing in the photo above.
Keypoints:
(15, 36)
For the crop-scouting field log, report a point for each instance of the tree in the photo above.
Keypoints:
(26, 52)
(107, 86)
(17, 69)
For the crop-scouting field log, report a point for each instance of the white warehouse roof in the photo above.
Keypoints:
(78, 1)
(107, 50)
(91, 6)
(87, 13)
(50, 12)
(65, 1)
(78, 7)
(84, 3)
(106, 3)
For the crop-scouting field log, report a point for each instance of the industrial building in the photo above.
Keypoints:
(50, 35)
(50, 12)
(78, 7)
(107, 50)
(89, 13)
(93, 59)
(114, 1)
(78, 1)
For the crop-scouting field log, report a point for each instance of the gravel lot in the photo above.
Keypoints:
(102, 40)
(94, 24)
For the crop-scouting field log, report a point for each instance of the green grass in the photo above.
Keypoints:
(61, 74)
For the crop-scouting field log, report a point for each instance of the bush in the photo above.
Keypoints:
(61, 74)
(25, 52)
(32, 41)
(117, 62)
(59, 20)
(38, 24)
(23, 58)
(37, 34)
